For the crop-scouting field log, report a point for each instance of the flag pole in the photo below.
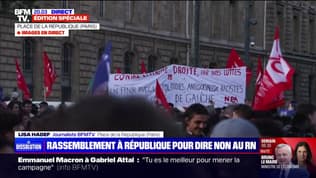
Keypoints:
(44, 95)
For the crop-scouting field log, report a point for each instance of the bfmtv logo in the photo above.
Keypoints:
(22, 14)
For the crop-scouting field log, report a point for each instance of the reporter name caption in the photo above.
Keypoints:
(50, 22)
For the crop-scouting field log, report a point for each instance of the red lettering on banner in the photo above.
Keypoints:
(137, 76)
(157, 72)
(230, 99)
(232, 71)
(184, 70)
(216, 72)
(126, 76)
(204, 72)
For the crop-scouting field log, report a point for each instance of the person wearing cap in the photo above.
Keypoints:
(44, 109)
(27, 108)
(14, 95)
(227, 112)
(15, 107)
(242, 111)
(43, 106)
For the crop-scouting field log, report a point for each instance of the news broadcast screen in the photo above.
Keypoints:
(42, 153)
(131, 89)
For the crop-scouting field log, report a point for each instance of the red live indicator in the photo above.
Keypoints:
(60, 18)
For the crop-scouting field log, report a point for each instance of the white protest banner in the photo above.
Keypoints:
(136, 84)
(184, 85)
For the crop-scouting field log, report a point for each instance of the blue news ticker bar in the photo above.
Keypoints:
(140, 145)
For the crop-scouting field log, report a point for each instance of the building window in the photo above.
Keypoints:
(312, 44)
(67, 53)
(296, 32)
(101, 8)
(31, 88)
(64, 3)
(67, 56)
(280, 22)
(100, 52)
(173, 60)
(151, 66)
(128, 60)
(65, 93)
(28, 53)
(27, 63)
(234, 21)
(310, 88)
(294, 90)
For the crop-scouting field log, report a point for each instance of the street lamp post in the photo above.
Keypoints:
(248, 21)
(247, 35)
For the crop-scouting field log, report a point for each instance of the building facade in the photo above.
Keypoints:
(159, 33)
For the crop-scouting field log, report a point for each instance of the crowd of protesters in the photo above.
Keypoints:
(107, 113)
(17, 115)
(297, 121)
(131, 114)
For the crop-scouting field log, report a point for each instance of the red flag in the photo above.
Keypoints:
(21, 81)
(118, 70)
(235, 61)
(161, 98)
(276, 79)
(142, 67)
(49, 74)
